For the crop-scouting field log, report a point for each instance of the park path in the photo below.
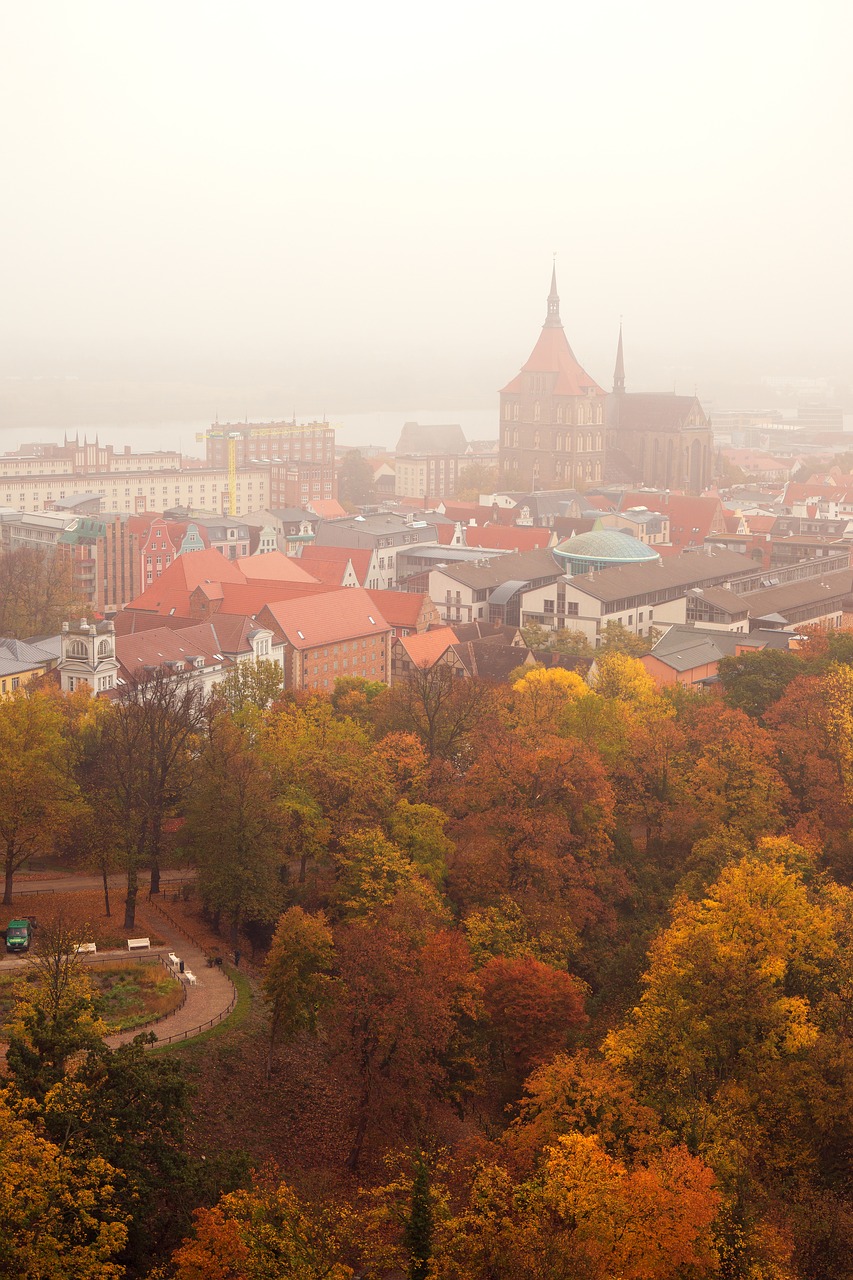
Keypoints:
(207, 1002)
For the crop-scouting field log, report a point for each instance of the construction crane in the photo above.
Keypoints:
(218, 432)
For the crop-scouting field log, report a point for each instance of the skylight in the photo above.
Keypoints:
(301, 636)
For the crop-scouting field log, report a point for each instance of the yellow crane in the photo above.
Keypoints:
(277, 429)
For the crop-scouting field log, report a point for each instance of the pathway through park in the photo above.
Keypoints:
(207, 1001)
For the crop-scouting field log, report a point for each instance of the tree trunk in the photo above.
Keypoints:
(106, 891)
(155, 855)
(363, 1114)
(130, 900)
(10, 871)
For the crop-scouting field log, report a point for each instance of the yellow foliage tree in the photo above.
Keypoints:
(58, 1218)
(617, 675)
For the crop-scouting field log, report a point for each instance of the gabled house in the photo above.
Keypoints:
(329, 635)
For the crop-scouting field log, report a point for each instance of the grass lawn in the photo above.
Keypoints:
(126, 995)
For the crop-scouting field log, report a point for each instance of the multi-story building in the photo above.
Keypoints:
(428, 460)
(551, 415)
(329, 636)
(385, 534)
(88, 458)
(200, 490)
(299, 457)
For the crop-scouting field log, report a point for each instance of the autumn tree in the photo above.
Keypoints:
(473, 480)
(418, 830)
(39, 798)
(540, 696)
(261, 1233)
(251, 684)
(143, 740)
(297, 982)
(236, 831)
(58, 1217)
(438, 706)
(37, 592)
(54, 1015)
(531, 1009)
(585, 1213)
(406, 987)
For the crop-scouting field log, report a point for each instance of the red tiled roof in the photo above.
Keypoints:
(326, 508)
(508, 537)
(399, 608)
(552, 354)
(248, 598)
(425, 649)
(328, 564)
(691, 520)
(274, 566)
(760, 524)
(179, 579)
(163, 644)
(325, 618)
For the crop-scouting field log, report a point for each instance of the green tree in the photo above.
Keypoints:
(356, 486)
(753, 681)
(419, 831)
(418, 1227)
(475, 479)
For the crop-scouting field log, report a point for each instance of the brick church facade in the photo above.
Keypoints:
(552, 416)
(560, 429)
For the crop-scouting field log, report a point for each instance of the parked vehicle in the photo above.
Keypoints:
(19, 935)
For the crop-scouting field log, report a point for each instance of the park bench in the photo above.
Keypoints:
(90, 948)
(190, 977)
(139, 944)
(174, 960)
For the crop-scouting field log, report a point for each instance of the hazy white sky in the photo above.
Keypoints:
(357, 204)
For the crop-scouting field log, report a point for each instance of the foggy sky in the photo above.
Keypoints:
(355, 206)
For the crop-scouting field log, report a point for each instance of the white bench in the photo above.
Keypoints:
(174, 960)
(139, 944)
(90, 947)
(190, 977)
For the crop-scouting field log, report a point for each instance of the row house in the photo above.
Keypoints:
(385, 534)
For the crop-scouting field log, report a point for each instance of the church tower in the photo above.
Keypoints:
(551, 416)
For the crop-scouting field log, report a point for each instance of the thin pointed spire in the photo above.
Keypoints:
(552, 320)
(619, 371)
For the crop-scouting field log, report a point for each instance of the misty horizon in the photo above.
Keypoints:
(269, 211)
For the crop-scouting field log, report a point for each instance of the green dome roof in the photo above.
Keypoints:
(610, 545)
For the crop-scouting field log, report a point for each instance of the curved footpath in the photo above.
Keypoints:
(207, 1002)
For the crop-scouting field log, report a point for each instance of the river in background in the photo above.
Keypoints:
(382, 429)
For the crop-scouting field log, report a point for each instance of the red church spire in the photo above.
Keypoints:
(552, 319)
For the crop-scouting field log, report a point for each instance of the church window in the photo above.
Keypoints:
(507, 411)
(589, 471)
(589, 442)
(598, 441)
(599, 413)
(515, 413)
(598, 470)
(568, 442)
(559, 413)
(558, 470)
(558, 441)
(537, 411)
(515, 438)
(536, 440)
